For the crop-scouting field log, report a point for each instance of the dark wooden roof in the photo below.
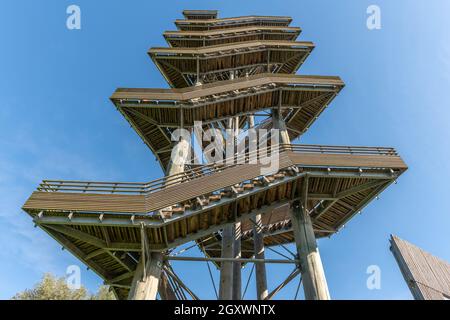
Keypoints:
(153, 113)
(224, 23)
(427, 276)
(234, 35)
(179, 66)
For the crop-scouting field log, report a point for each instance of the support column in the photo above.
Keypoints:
(278, 122)
(146, 279)
(180, 151)
(260, 267)
(226, 267)
(313, 276)
(237, 266)
(228, 241)
(258, 243)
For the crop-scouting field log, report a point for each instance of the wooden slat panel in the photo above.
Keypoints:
(428, 277)
(185, 94)
(338, 160)
(86, 202)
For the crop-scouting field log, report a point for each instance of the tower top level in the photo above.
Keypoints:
(200, 14)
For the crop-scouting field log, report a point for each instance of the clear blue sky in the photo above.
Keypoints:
(56, 121)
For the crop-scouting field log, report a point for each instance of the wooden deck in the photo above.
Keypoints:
(189, 39)
(97, 218)
(224, 23)
(182, 67)
(154, 113)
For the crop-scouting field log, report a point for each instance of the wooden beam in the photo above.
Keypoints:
(359, 188)
(221, 260)
(77, 252)
(80, 235)
(283, 284)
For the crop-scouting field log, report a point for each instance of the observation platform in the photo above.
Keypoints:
(189, 39)
(104, 223)
(153, 113)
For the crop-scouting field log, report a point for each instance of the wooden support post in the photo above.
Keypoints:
(146, 281)
(197, 80)
(180, 154)
(313, 275)
(226, 267)
(237, 266)
(258, 243)
(260, 267)
(147, 276)
(278, 121)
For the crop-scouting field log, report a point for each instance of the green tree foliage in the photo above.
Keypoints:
(53, 288)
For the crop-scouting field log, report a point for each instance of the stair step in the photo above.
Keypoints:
(279, 176)
(178, 210)
(248, 186)
(215, 197)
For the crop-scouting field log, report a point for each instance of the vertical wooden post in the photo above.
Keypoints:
(258, 243)
(146, 280)
(260, 267)
(226, 267)
(228, 242)
(278, 122)
(313, 275)
(180, 151)
(198, 82)
(237, 266)
(145, 284)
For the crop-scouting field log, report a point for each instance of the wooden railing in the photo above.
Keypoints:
(200, 171)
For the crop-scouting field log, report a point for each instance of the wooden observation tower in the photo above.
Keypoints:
(226, 75)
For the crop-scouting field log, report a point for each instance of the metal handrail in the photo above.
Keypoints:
(145, 188)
